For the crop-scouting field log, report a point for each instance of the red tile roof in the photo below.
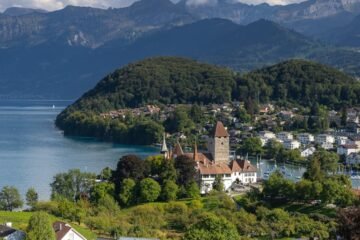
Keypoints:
(177, 150)
(210, 168)
(245, 166)
(220, 131)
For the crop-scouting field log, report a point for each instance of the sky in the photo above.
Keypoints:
(59, 4)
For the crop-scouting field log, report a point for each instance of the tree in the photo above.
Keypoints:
(127, 191)
(211, 227)
(251, 146)
(40, 227)
(160, 167)
(273, 149)
(149, 190)
(277, 187)
(349, 222)
(196, 113)
(106, 174)
(322, 162)
(129, 166)
(10, 198)
(100, 190)
(72, 184)
(218, 184)
(192, 190)
(343, 116)
(169, 191)
(313, 171)
(32, 197)
(185, 169)
(242, 115)
(179, 121)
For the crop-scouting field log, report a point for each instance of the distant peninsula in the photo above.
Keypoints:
(161, 94)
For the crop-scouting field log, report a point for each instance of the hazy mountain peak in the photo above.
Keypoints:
(18, 11)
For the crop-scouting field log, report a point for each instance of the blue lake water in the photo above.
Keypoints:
(32, 150)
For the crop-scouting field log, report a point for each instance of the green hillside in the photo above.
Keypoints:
(170, 80)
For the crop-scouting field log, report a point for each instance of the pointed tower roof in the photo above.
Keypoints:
(220, 131)
(164, 148)
(196, 158)
(178, 149)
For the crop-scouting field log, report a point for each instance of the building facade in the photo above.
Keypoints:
(216, 162)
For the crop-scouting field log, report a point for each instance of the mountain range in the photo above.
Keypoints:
(63, 53)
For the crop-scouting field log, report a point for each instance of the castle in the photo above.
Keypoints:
(216, 161)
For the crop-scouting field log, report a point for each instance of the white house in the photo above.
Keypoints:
(347, 149)
(305, 138)
(325, 141)
(9, 233)
(308, 152)
(341, 140)
(326, 145)
(325, 138)
(267, 134)
(284, 136)
(64, 231)
(291, 144)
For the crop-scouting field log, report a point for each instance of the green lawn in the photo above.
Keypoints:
(21, 219)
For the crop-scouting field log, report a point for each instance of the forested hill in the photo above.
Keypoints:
(159, 80)
(300, 82)
(171, 80)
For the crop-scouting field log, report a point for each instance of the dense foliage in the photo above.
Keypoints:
(166, 80)
(40, 227)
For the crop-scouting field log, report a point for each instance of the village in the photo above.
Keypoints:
(339, 131)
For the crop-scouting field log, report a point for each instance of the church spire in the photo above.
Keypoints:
(164, 148)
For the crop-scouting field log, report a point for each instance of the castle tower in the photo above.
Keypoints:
(219, 144)
(164, 148)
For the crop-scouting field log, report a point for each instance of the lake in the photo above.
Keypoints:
(33, 150)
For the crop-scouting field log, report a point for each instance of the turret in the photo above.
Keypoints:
(164, 148)
(219, 144)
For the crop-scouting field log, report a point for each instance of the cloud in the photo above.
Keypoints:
(58, 4)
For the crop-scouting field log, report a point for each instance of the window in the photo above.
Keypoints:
(227, 175)
(206, 176)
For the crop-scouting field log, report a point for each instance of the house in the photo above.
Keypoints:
(305, 138)
(326, 145)
(308, 152)
(325, 141)
(355, 140)
(217, 162)
(347, 149)
(353, 158)
(341, 140)
(9, 233)
(267, 134)
(291, 144)
(64, 231)
(284, 136)
(286, 115)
